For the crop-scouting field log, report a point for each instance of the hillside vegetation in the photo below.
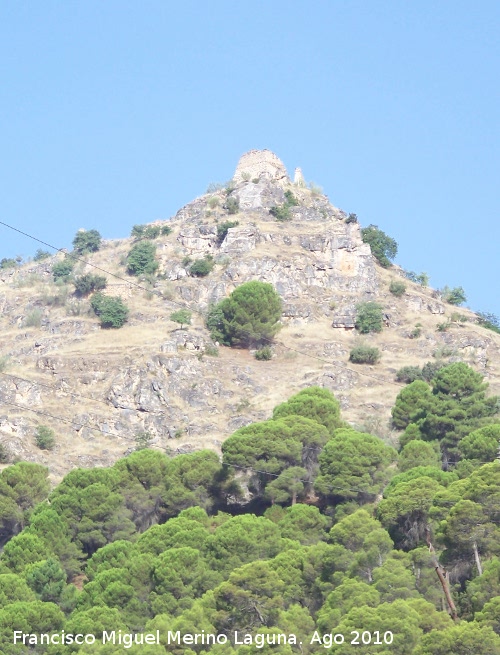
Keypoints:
(306, 529)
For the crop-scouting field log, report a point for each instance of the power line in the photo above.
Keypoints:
(103, 402)
(112, 434)
(77, 395)
(222, 463)
(198, 311)
(64, 420)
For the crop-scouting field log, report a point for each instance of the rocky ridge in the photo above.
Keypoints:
(98, 388)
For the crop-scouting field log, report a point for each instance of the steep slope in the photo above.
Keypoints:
(110, 385)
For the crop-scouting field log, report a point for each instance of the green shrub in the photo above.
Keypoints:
(186, 261)
(232, 205)
(111, 310)
(143, 440)
(182, 316)
(41, 255)
(444, 326)
(264, 354)
(45, 437)
(281, 212)
(383, 247)
(57, 299)
(250, 316)
(148, 231)
(444, 351)
(223, 228)
(166, 230)
(152, 231)
(202, 267)
(455, 296)
(33, 318)
(215, 322)
(430, 369)
(141, 259)
(418, 278)
(408, 374)
(211, 350)
(28, 281)
(352, 218)
(290, 199)
(7, 262)
(230, 187)
(213, 202)
(4, 362)
(137, 231)
(4, 454)
(77, 308)
(397, 288)
(416, 332)
(315, 189)
(87, 241)
(63, 269)
(88, 283)
(364, 354)
(213, 187)
(488, 321)
(369, 317)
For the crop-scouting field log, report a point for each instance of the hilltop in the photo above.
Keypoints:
(97, 388)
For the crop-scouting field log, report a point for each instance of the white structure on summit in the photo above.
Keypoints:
(260, 164)
(298, 178)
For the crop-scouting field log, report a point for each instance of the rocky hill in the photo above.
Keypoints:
(97, 389)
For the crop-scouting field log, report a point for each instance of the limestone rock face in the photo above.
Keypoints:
(260, 164)
(259, 195)
(240, 240)
(198, 239)
(418, 304)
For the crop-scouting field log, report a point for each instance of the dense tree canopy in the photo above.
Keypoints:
(456, 406)
(353, 466)
(314, 403)
(307, 527)
(22, 486)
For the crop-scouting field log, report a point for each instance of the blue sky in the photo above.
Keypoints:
(116, 113)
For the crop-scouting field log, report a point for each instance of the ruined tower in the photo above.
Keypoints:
(256, 164)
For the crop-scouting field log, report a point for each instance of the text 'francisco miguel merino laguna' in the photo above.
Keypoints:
(127, 640)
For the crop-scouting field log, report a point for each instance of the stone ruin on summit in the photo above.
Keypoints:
(260, 164)
(257, 164)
